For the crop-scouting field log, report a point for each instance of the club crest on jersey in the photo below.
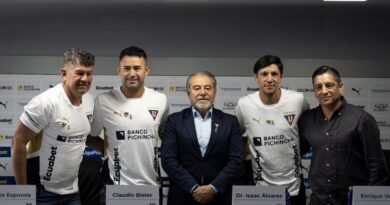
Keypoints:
(289, 116)
(153, 113)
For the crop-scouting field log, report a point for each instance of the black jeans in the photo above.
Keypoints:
(299, 199)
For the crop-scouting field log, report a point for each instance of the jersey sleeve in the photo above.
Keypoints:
(240, 118)
(305, 104)
(36, 114)
(97, 121)
(164, 118)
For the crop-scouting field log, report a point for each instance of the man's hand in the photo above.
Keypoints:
(203, 194)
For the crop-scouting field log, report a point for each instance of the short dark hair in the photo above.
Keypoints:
(201, 73)
(326, 69)
(266, 61)
(133, 51)
(76, 56)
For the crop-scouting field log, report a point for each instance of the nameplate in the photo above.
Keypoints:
(135, 195)
(372, 195)
(255, 195)
(18, 194)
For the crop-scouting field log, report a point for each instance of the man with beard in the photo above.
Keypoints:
(56, 123)
(201, 148)
(131, 117)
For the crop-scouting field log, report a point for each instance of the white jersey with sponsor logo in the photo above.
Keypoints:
(131, 126)
(273, 138)
(65, 128)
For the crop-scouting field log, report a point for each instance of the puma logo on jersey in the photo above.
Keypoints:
(256, 120)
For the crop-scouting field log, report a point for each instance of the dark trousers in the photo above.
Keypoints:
(299, 199)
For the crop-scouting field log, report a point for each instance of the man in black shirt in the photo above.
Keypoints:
(345, 141)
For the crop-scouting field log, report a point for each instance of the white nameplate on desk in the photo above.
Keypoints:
(255, 195)
(134, 195)
(18, 194)
(372, 195)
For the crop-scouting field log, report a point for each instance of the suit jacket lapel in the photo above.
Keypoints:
(216, 123)
(190, 127)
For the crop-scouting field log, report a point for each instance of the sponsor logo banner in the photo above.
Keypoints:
(305, 90)
(380, 90)
(7, 180)
(177, 105)
(157, 88)
(231, 89)
(379, 107)
(6, 121)
(89, 152)
(252, 89)
(28, 87)
(5, 152)
(120, 135)
(229, 105)
(50, 165)
(139, 134)
(7, 88)
(177, 88)
(5, 137)
(257, 141)
(104, 87)
(385, 141)
(383, 123)
(77, 139)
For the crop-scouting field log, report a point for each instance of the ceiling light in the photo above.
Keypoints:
(344, 0)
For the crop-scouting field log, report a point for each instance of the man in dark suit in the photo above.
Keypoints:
(202, 150)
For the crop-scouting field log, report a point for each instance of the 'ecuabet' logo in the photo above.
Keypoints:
(5, 151)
